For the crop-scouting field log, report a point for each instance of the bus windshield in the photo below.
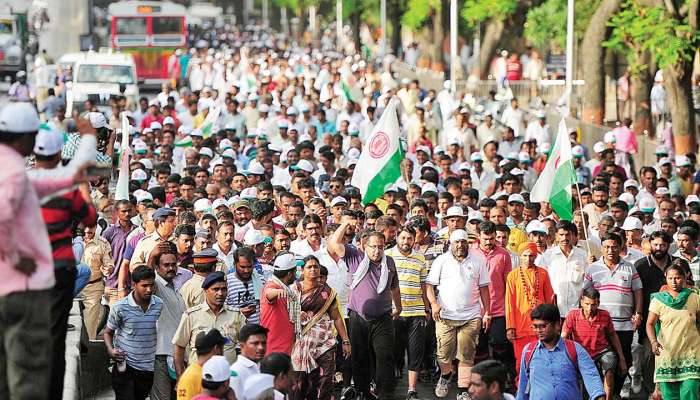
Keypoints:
(91, 73)
(167, 25)
(6, 26)
(131, 26)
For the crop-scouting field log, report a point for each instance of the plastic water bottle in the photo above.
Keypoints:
(121, 365)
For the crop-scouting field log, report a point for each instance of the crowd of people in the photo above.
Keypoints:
(219, 249)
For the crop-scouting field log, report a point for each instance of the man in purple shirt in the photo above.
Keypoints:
(374, 285)
(116, 236)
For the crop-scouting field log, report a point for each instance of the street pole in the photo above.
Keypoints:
(284, 22)
(339, 23)
(266, 21)
(382, 14)
(569, 50)
(453, 46)
(312, 23)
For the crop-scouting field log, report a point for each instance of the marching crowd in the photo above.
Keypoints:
(232, 258)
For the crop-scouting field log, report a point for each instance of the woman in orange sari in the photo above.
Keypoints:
(313, 354)
(527, 287)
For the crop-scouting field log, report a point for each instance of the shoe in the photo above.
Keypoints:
(412, 395)
(348, 393)
(442, 387)
(464, 396)
(636, 386)
(625, 392)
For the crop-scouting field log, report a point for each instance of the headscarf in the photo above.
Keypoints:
(527, 246)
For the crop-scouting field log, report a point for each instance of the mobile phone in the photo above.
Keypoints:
(102, 171)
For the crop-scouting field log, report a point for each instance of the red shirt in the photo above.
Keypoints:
(146, 122)
(499, 265)
(513, 70)
(275, 317)
(592, 335)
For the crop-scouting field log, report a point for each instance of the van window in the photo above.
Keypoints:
(131, 26)
(167, 25)
(93, 73)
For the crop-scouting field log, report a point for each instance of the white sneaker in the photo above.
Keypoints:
(464, 396)
(442, 387)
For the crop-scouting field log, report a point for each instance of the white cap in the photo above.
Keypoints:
(256, 169)
(630, 183)
(338, 200)
(140, 146)
(154, 102)
(577, 151)
(225, 144)
(219, 203)
(599, 147)
(139, 175)
(263, 108)
(229, 153)
(454, 141)
(97, 120)
(664, 161)
(517, 172)
(292, 111)
(464, 166)
(354, 153)
(662, 191)
(647, 204)
(258, 384)
(253, 97)
(196, 132)
(19, 118)
(142, 195)
(523, 157)
(439, 149)
(516, 197)
(475, 215)
(49, 141)
(536, 226)
(216, 369)
(253, 237)
(429, 187)
(513, 156)
(661, 149)
(627, 198)
(691, 199)
(285, 262)
(503, 162)
(206, 151)
(249, 193)
(631, 224)
(459, 234)
(476, 156)
(455, 211)
(147, 163)
(544, 147)
(609, 137)
(168, 121)
(424, 149)
(304, 165)
(202, 205)
(155, 125)
(682, 161)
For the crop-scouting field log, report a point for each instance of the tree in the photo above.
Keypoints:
(592, 56)
(417, 13)
(545, 24)
(495, 15)
(668, 31)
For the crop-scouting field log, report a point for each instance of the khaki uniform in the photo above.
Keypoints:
(192, 292)
(201, 319)
(98, 256)
(143, 249)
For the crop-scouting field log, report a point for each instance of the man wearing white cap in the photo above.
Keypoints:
(583, 174)
(598, 149)
(215, 379)
(461, 278)
(482, 178)
(631, 249)
(682, 182)
(279, 310)
(538, 130)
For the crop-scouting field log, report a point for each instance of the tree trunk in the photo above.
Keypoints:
(641, 88)
(438, 36)
(355, 21)
(394, 11)
(489, 43)
(593, 53)
(680, 102)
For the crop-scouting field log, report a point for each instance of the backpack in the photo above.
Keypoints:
(569, 347)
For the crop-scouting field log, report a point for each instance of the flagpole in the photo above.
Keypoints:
(583, 218)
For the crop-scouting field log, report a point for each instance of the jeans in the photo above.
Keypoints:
(61, 303)
(25, 345)
(82, 279)
(131, 384)
(376, 336)
(409, 333)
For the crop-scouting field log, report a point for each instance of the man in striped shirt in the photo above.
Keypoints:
(409, 327)
(130, 336)
(620, 291)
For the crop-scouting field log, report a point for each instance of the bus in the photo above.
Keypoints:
(150, 31)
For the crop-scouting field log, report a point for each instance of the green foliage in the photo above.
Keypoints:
(546, 23)
(637, 28)
(418, 11)
(475, 11)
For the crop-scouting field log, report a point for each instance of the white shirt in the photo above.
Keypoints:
(538, 132)
(458, 284)
(566, 275)
(244, 369)
(482, 183)
(514, 119)
(302, 248)
(227, 259)
(633, 255)
(337, 277)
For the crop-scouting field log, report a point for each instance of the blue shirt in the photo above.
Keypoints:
(135, 330)
(553, 375)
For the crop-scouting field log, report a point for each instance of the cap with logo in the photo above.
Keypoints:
(49, 141)
(216, 370)
(516, 198)
(285, 262)
(139, 175)
(536, 226)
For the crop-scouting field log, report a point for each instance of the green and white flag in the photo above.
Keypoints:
(210, 122)
(555, 181)
(349, 85)
(379, 165)
(184, 142)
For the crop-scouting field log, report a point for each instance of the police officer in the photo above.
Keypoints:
(204, 264)
(212, 313)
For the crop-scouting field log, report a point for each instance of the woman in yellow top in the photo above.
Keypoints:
(527, 287)
(674, 332)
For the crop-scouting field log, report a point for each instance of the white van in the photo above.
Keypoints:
(99, 77)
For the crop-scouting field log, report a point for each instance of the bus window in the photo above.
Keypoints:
(131, 26)
(6, 26)
(167, 25)
(90, 73)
